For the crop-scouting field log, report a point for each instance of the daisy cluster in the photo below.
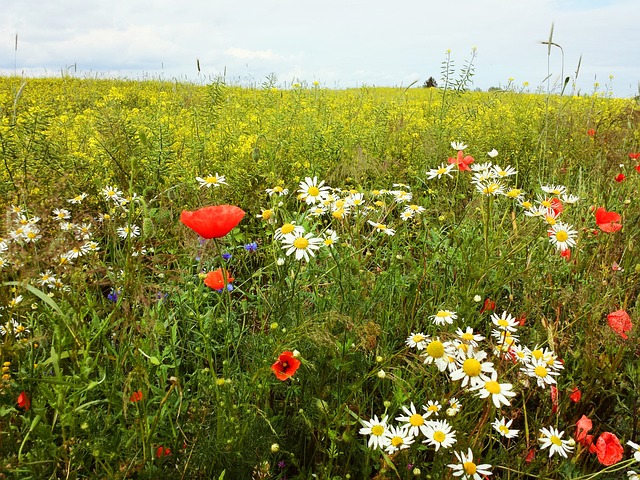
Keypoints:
(81, 239)
(463, 360)
(491, 180)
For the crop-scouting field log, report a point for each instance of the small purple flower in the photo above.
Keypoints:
(226, 256)
(113, 295)
(229, 287)
(251, 247)
(282, 464)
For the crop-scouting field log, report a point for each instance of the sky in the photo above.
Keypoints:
(338, 43)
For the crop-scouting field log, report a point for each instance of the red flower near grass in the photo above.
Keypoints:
(136, 396)
(637, 167)
(554, 399)
(488, 305)
(575, 395)
(556, 206)
(215, 279)
(213, 222)
(634, 156)
(286, 366)
(591, 132)
(620, 177)
(24, 401)
(607, 221)
(462, 161)
(620, 322)
(163, 451)
(608, 449)
(566, 254)
(582, 428)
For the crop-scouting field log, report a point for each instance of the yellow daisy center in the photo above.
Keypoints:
(492, 387)
(546, 203)
(211, 179)
(527, 205)
(471, 367)
(541, 371)
(503, 323)
(397, 441)
(556, 440)
(377, 430)
(381, 226)
(467, 336)
(267, 214)
(435, 349)
(287, 228)
(551, 221)
(313, 191)
(469, 468)
(416, 420)
(301, 243)
(433, 408)
(278, 189)
(562, 236)
(504, 429)
(439, 436)
(443, 314)
(514, 193)
(442, 170)
(418, 338)
(537, 354)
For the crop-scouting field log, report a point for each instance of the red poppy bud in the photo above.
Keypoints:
(582, 428)
(136, 396)
(591, 132)
(24, 401)
(163, 451)
(620, 177)
(637, 167)
(213, 222)
(554, 399)
(530, 456)
(488, 305)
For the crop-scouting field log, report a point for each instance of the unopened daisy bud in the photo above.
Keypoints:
(451, 412)
(379, 359)
(416, 472)
(386, 404)
(382, 374)
(280, 262)
(296, 353)
(275, 448)
(274, 326)
(477, 298)
(220, 382)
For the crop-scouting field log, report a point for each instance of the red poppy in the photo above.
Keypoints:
(566, 254)
(530, 455)
(634, 156)
(215, 279)
(556, 206)
(575, 395)
(609, 449)
(462, 161)
(24, 401)
(522, 320)
(582, 428)
(637, 167)
(163, 451)
(620, 177)
(286, 365)
(607, 221)
(620, 322)
(591, 132)
(554, 399)
(488, 305)
(136, 396)
(213, 222)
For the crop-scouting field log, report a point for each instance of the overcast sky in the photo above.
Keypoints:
(339, 43)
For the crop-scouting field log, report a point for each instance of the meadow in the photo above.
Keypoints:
(282, 282)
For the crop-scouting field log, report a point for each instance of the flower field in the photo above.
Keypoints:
(212, 281)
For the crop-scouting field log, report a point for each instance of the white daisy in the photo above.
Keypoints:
(473, 369)
(289, 228)
(443, 316)
(467, 469)
(432, 407)
(277, 190)
(498, 391)
(539, 370)
(441, 170)
(128, 231)
(417, 340)
(504, 321)
(413, 420)
(502, 427)
(376, 429)
(313, 192)
(302, 245)
(399, 439)
(212, 180)
(562, 235)
(381, 227)
(551, 438)
(440, 434)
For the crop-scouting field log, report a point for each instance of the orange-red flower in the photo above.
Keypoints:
(556, 206)
(136, 396)
(24, 401)
(575, 395)
(213, 222)
(591, 132)
(607, 221)
(215, 279)
(566, 254)
(637, 167)
(462, 161)
(488, 305)
(163, 451)
(286, 365)
(620, 177)
(620, 322)
(554, 399)
(609, 449)
(634, 155)
(582, 428)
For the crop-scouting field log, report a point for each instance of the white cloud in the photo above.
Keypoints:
(244, 54)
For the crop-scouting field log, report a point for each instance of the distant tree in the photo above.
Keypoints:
(430, 83)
